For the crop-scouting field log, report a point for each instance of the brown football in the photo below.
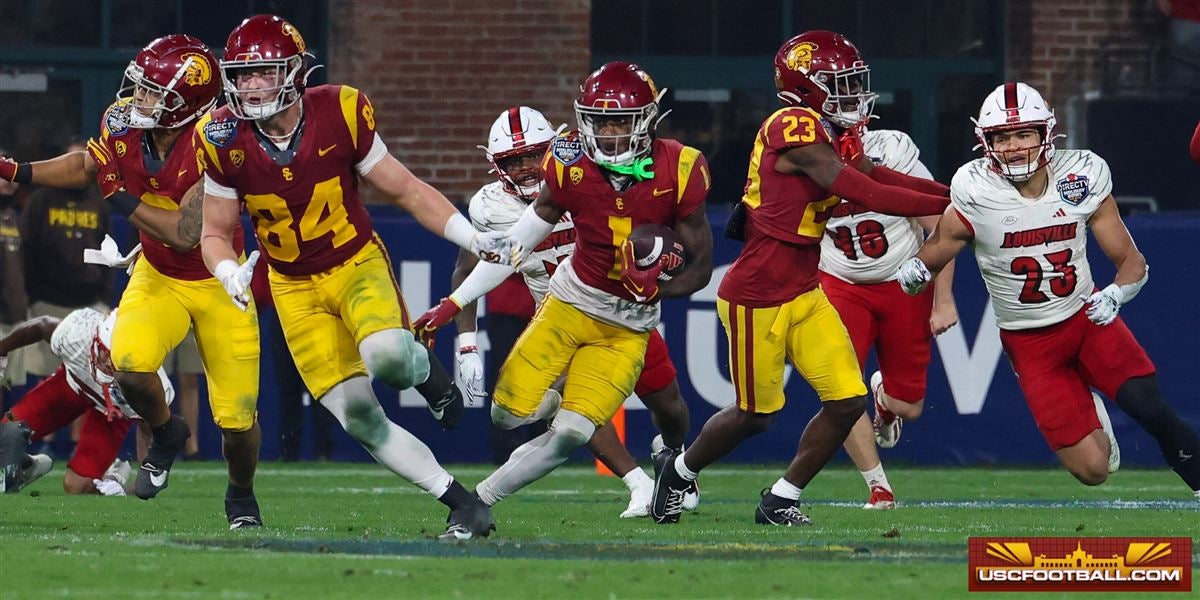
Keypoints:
(651, 242)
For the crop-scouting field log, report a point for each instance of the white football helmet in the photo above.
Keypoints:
(519, 131)
(1010, 107)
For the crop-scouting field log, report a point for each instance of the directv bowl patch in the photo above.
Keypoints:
(567, 151)
(1073, 188)
(220, 133)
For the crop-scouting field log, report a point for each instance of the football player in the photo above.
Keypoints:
(517, 142)
(596, 320)
(293, 156)
(82, 385)
(806, 158)
(1025, 207)
(149, 166)
(859, 256)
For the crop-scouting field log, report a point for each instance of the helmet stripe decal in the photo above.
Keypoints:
(514, 125)
(1010, 95)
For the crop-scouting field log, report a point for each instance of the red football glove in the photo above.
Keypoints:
(109, 180)
(426, 325)
(8, 169)
(642, 283)
(850, 145)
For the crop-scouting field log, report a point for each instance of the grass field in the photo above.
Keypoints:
(356, 531)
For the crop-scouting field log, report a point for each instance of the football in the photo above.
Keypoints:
(651, 242)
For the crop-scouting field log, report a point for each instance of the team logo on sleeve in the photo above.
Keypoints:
(1073, 188)
(220, 133)
(567, 151)
(576, 175)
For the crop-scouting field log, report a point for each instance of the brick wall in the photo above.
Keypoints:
(440, 71)
(1061, 47)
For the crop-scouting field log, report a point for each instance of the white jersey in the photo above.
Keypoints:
(861, 246)
(1033, 252)
(494, 209)
(73, 342)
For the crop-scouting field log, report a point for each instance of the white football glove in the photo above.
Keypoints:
(913, 276)
(108, 487)
(236, 279)
(1102, 307)
(497, 247)
(470, 377)
(110, 255)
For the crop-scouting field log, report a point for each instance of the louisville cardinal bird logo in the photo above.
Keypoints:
(800, 57)
(197, 71)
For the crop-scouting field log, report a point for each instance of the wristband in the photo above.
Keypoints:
(124, 203)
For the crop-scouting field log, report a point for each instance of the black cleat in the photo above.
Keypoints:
(243, 513)
(152, 476)
(14, 437)
(466, 522)
(444, 398)
(670, 489)
(773, 510)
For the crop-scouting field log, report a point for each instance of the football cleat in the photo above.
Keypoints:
(469, 521)
(152, 476)
(14, 436)
(1114, 450)
(40, 465)
(691, 499)
(442, 394)
(886, 424)
(640, 498)
(669, 489)
(243, 513)
(773, 510)
(881, 499)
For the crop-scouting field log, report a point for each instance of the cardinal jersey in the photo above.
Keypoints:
(785, 216)
(604, 218)
(73, 342)
(303, 200)
(494, 209)
(861, 246)
(126, 153)
(1033, 252)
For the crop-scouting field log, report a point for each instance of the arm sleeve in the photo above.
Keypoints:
(374, 155)
(482, 279)
(216, 189)
(856, 187)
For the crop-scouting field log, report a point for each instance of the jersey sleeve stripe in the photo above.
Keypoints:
(964, 220)
(687, 160)
(348, 97)
(98, 151)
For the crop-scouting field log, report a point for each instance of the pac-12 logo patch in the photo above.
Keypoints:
(220, 133)
(567, 151)
(1073, 188)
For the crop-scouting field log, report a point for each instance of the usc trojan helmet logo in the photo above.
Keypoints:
(650, 82)
(291, 32)
(800, 57)
(197, 70)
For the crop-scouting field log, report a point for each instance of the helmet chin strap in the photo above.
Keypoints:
(639, 169)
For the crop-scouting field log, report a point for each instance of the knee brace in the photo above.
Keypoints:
(395, 357)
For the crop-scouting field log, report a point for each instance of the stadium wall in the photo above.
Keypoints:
(425, 65)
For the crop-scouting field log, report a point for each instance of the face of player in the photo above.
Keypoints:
(613, 134)
(849, 86)
(146, 100)
(258, 85)
(1018, 147)
(524, 169)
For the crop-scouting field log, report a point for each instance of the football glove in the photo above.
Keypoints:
(913, 276)
(236, 278)
(110, 255)
(1102, 307)
(430, 321)
(470, 375)
(641, 283)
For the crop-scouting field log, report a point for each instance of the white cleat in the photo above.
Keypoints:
(887, 433)
(639, 502)
(881, 499)
(119, 471)
(1114, 450)
(42, 463)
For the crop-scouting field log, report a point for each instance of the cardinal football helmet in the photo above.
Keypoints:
(824, 71)
(619, 90)
(170, 83)
(264, 42)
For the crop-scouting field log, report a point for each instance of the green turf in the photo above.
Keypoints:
(357, 531)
